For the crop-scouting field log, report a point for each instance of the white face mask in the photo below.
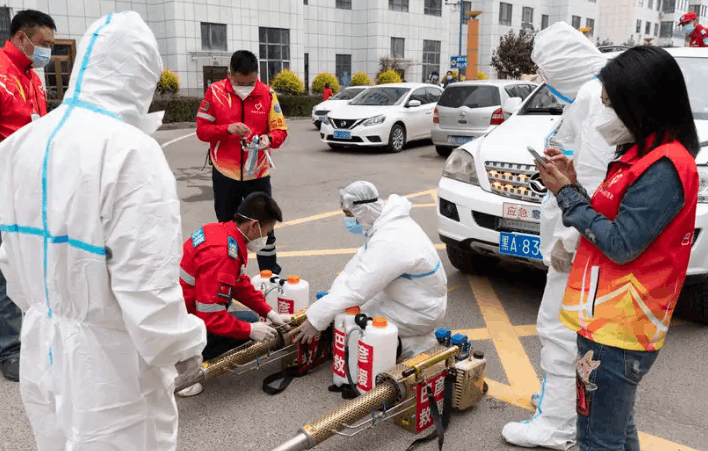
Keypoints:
(613, 129)
(257, 244)
(243, 91)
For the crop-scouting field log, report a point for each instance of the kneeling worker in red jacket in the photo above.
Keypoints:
(212, 273)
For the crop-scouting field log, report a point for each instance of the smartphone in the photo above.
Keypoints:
(539, 159)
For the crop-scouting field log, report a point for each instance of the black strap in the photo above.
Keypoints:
(366, 201)
(285, 376)
(441, 421)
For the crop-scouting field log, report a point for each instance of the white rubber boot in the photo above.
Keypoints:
(188, 392)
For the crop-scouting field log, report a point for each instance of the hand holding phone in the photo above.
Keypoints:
(539, 159)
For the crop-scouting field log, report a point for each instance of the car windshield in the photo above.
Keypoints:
(470, 96)
(694, 72)
(380, 96)
(543, 101)
(347, 94)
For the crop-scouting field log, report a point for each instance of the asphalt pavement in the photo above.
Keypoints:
(497, 310)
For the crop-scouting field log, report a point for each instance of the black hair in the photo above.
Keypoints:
(328, 86)
(648, 92)
(259, 206)
(244, 62)
(29, 20)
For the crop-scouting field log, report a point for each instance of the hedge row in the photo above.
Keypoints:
(184, 109)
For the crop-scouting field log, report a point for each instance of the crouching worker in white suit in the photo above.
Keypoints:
(91, 249)
(396, 274)
(569, 63)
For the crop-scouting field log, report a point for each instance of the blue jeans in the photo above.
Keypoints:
(10, 323)
(608, 422)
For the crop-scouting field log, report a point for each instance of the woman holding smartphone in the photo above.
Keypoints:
(637, 233)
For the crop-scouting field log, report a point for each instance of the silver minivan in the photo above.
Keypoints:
(469, 109)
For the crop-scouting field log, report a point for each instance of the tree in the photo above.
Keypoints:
(512, 58)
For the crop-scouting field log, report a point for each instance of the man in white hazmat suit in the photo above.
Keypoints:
(569, 63)
(91, 249)
(396, 274)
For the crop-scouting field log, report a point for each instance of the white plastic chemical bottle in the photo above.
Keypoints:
(295, 296)
(378, 344)
(343, 324)
(267, 283)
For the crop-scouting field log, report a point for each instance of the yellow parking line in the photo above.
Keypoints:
(324, 252)
(424, 205)
(482, 333)
(653, 443)
(455, 288)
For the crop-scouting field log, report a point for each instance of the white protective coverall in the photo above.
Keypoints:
(91, 249)
(569, 64)
(397, 274)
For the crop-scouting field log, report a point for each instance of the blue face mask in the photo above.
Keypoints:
(688, 28)
(41, 55)
(353, 226)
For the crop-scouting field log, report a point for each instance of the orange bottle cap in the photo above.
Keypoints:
(379, 322)
(353, 310)
(266, 274)
(293, 280)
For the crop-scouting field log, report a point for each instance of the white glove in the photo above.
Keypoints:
(305, 333)
(278, 319)
(188, 370)
(261, 331)
(264, 142)
(561, 260)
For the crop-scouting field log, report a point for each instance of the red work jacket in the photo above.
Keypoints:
(260, 111)
(212, 272)
(699, 37)
(21, 91)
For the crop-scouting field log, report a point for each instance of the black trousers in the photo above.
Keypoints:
(228, 194)
(217, 345)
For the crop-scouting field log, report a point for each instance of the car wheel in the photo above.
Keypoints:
(397, 138)
(470, 262)
(443, 151)
(692, 304)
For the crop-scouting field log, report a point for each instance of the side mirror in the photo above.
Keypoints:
(414, 103)
(512, 105)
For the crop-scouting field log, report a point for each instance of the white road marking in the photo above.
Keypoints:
(178, 139)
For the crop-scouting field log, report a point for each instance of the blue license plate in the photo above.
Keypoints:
(319, 119)
(519, 245)
(460, 140)
(343, 134)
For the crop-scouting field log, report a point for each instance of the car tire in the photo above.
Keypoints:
(470, 262)
(692, 304)
(397, 138)
(443, 151)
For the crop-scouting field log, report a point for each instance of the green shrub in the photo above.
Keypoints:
(481, 75)
(360, 79)
(168, 83)
(388, 76)
(182, 109)
(294, 106)
(322, 79)
(288, 83)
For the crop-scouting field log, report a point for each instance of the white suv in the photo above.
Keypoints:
(490, 193)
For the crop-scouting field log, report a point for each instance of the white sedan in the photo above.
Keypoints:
(344, 95)
(387, 115)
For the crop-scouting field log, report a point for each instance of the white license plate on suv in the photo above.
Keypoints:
(521, 212)
(342, 134)
(459, 140)
(520, 245)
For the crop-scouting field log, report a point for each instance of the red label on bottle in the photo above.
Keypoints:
(286, 306)
(423, 414)
(366, 367)
(338, 361)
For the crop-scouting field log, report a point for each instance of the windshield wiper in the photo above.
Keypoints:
(555, 111)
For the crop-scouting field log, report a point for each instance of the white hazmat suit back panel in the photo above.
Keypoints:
(397, 274)
(91, 247)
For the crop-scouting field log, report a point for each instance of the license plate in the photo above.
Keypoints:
(519, 245)
(343, 134)
(521, 212)
(459, 140)
(319, 119)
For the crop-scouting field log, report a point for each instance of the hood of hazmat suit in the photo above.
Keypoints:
(397, 274)
(91, 230)
(362, 199)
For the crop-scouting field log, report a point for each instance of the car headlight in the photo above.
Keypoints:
(376, 120)
(325, 120)
(703, 184)
(460, 166)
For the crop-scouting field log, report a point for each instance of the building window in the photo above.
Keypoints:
(431, 58)
(307, 72)
(398, 5)
(576, 22)
(274, 50)
(398, 47)
(58, 71)
(526, 17)
(433, 7)
(343, 69)
(4, 25)
(544, 21)
(658, 5)
(344, 4)
(505, 14)
(650, 4)
(590, 23)
(647, 29)
(668, 6)
(213, 36)
(638, 29)
(667, 29)
(656, 29)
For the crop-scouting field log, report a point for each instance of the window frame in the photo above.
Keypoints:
(399, 5)
(394, 40)
(524, 11)
(505, 19)
(430, 8)
(343, 4)
(210, 32)
(265, 47)
(339, 64)
(590, 23)
(430, 67)
(576, 20)
(58, 84)
(544, 21)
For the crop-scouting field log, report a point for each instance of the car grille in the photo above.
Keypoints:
(344, 123)
(516, 181)
(321, 112)
(505, 225)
